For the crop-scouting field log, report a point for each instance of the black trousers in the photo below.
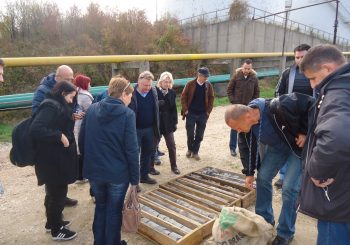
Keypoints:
(170, 144)
(195, 126)
(54, 204)
(80, 170)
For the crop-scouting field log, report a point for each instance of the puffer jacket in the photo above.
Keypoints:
(46, 85)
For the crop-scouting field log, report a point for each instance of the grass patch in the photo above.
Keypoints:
(5, 132)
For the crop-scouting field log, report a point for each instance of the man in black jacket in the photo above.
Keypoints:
(325, 193)
(292, 80)
(281, 125)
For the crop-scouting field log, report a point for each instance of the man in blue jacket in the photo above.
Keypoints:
(281, 125)
(325, 191)
(144, 103)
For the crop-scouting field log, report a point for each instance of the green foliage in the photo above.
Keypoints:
(5, 132)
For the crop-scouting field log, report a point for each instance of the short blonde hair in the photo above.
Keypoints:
(117, 85)
(163, 76)
(146, 75)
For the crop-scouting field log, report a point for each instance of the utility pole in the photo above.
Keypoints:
(288, 6)
(336, 23)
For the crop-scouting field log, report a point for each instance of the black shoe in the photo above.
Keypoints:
(233, 153)
(63, 235)
(278, 184)
(175, 170)
(70, 202)
(157, 162)
(64, 223)
(160, 153)
(138, 189)
(281, 241)
(122, 242)
(154, 172)
(148, 181)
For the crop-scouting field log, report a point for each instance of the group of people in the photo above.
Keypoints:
(304, 127)
(109, 141)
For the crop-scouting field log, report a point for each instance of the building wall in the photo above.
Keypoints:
(247, 36)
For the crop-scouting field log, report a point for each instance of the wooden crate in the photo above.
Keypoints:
(183, 210)
(229, 181)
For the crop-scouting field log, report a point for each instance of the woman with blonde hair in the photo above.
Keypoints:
(168, 115)
(108, 142)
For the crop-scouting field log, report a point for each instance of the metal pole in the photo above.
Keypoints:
(336, 23)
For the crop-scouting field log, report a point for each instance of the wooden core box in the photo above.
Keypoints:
(183, 210)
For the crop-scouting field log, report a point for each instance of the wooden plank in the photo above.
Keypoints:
(155, 236)
(195, 204)
(171, 214)
(187, 196)
(217, 200)
(163, 223)
(206, 189)
(243, 190)
(178, 206)
(237, 194)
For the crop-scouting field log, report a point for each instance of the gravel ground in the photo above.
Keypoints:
(22, 209)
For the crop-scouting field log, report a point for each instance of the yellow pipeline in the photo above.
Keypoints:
(70, 60)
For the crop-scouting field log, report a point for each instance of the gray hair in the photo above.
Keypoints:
(234, 112)
(146, 75)
(163, 76)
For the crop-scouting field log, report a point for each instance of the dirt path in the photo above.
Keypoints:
(22, 212)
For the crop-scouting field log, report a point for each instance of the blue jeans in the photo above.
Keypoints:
(108, 212)
(331, 233)
(233, 140)
(195, 126)
(146, 146)
(272, 162)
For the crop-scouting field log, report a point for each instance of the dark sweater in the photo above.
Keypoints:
(145, 113)
(198, 102)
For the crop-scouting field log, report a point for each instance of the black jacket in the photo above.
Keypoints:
(288, 116)
(55, 164)
(167, 111)
(327, 153)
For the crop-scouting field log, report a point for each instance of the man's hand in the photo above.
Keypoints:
(249, 182)
(322, 183)
(64, 140)
(300, 140)
(78, 116)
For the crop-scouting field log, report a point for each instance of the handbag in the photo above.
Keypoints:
(131, 212)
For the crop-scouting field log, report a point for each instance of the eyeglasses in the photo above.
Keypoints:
(127, 85)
